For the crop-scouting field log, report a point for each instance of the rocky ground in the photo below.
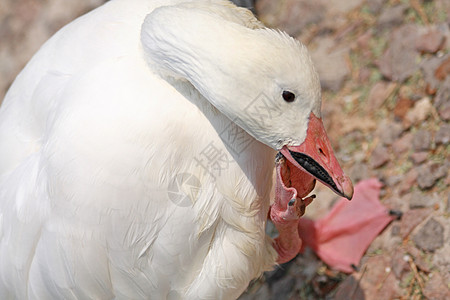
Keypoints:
(385, 71)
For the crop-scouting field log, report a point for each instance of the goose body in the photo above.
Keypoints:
(106, 129)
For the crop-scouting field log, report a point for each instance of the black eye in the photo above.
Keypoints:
(288, 96)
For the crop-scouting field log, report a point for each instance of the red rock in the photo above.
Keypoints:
(411, 219)
(443, 70)
(402, 106)
(379, 157)
(419, 157)
(409, 181)
(399, 61)
(428, 174)
(432, 68)
(431, 41)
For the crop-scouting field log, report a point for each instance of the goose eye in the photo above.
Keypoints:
(288, 96)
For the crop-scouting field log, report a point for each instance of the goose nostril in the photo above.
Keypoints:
(321, 152)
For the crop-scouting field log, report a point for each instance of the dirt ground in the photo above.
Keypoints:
(385, 73)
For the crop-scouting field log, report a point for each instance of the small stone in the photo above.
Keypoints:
(436, 288)
(420, 200)
(290, 16)
(330, 62)
(421, 140)
(349, 289)
(419, 157)
(403, 144)
(431, 41)
(389, 132)
(409, 181)
(425, 179)
(443, 69)
(419, 113)
(283, 288)
(443, 135)
(378, 94)
(379, 157)
(400, 59)
(399, 265)
(391, 16)
(430, 237)
(429, 67)
(430, 173)
(375, 276)
(402, 106)
(297, 15)
(411, 219)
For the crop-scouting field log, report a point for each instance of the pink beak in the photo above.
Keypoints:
(316, 157)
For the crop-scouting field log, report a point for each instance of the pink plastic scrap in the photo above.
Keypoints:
(342, 237)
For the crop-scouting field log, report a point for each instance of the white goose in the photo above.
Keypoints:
(116, 108)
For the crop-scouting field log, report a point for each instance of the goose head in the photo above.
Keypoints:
(261, 79)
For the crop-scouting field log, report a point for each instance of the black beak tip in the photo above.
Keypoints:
(315, 169)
